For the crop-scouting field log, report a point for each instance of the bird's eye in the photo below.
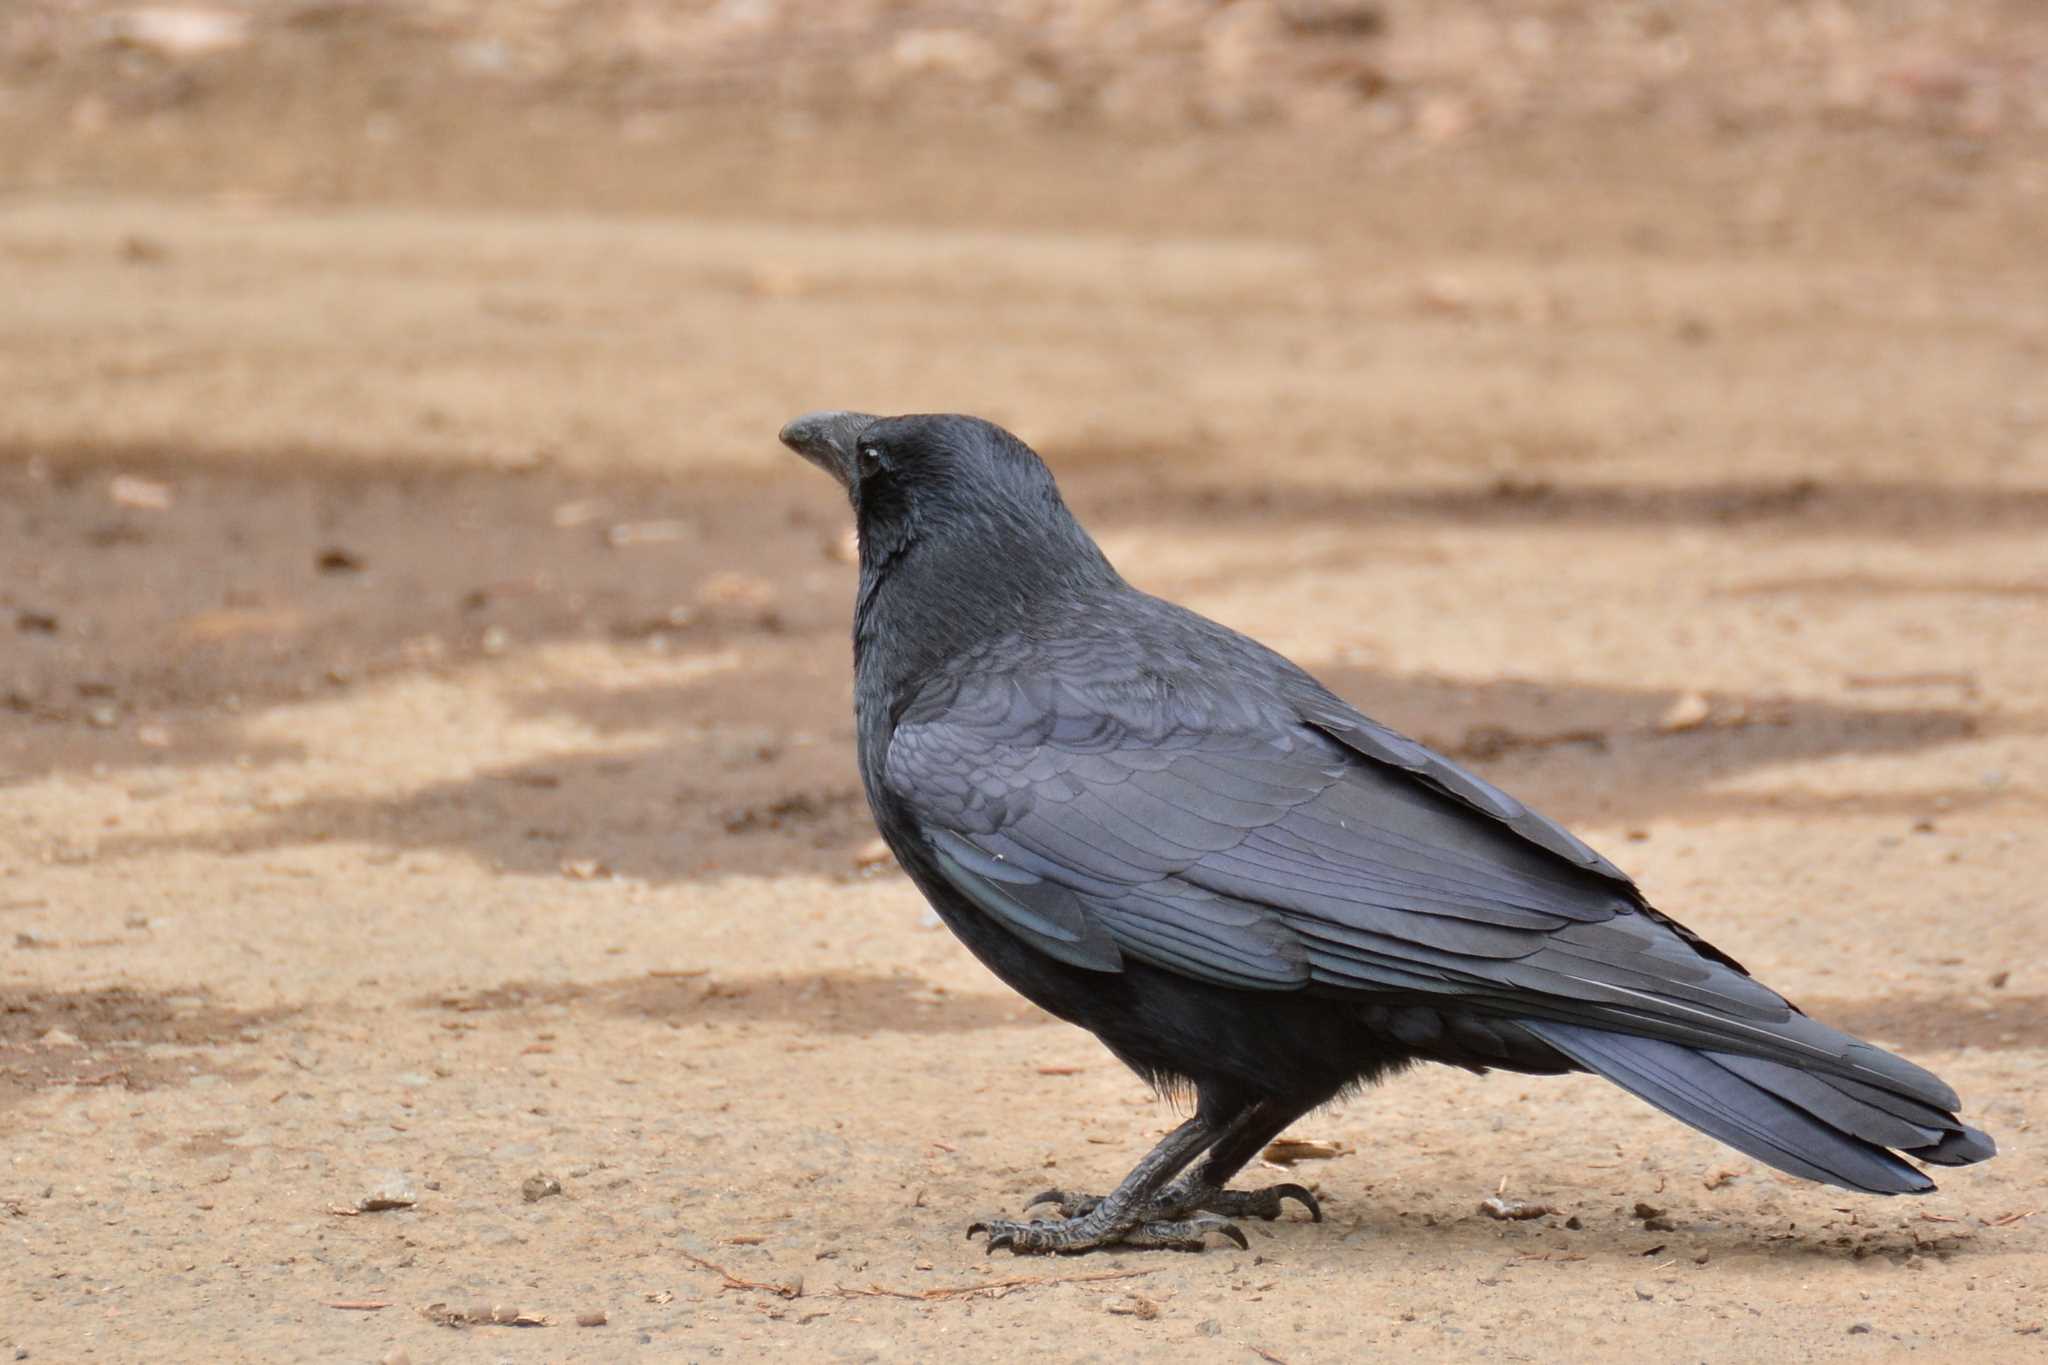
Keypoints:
(870, 461)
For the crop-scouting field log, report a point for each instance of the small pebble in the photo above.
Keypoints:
(392, 1190)
(1857, 1329)
(1644, 1292)
(596, 1319)
(539, 1186)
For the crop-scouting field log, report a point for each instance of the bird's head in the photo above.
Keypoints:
(957, 485)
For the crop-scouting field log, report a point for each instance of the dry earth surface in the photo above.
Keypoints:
(425, 767)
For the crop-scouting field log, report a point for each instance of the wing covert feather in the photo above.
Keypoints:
(1238, 841)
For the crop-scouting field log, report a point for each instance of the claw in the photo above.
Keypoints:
(1300, 1195)
(1307, 1200)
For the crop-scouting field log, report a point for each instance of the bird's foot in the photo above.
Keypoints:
(1090, 1232)
(1179, 1201)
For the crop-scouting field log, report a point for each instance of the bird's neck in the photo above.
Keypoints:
(926, 600)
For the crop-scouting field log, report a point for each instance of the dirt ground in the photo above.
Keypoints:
(425, 758)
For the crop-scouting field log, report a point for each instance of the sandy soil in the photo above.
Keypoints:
(425, 754)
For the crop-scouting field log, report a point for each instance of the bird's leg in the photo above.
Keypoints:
(1245, 1137)
(1123, 1217)
(1201, 1189)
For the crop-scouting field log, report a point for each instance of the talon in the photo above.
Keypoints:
(1301, 1196)
(973, 1228)
(1058, 1197)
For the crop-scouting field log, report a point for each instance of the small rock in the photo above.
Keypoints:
(947, 52)
(396, 1356)
(1688, 712)
(1644, 1292)
(57, 1037)
(125, 490)
(1857, 1329)
(391, 1190)
(630, 533)
(180, 31)
(593, 1319)
(539, 1186)
(1209, 1327)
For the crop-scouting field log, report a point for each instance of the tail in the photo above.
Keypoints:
(1817, 1123)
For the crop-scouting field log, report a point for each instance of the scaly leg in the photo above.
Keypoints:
(1201, 1189)
(1123, 1216)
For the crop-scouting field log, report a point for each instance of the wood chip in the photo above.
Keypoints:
(789, 1290)
(483, 1315)
(359, 1305)
(1515, 1210)
(993, 1289)
(1285, 1151)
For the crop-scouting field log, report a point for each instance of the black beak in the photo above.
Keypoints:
(827, 440)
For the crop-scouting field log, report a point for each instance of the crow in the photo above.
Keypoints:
(1160, 830)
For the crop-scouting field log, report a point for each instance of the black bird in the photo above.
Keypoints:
(1160, 830)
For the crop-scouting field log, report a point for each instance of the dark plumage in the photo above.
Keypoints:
(1164, 832)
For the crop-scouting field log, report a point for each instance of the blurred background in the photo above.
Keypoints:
(424, 705)
(648, 231)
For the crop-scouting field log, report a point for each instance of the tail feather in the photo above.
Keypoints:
(1811, 1124)
(1966, 1146)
